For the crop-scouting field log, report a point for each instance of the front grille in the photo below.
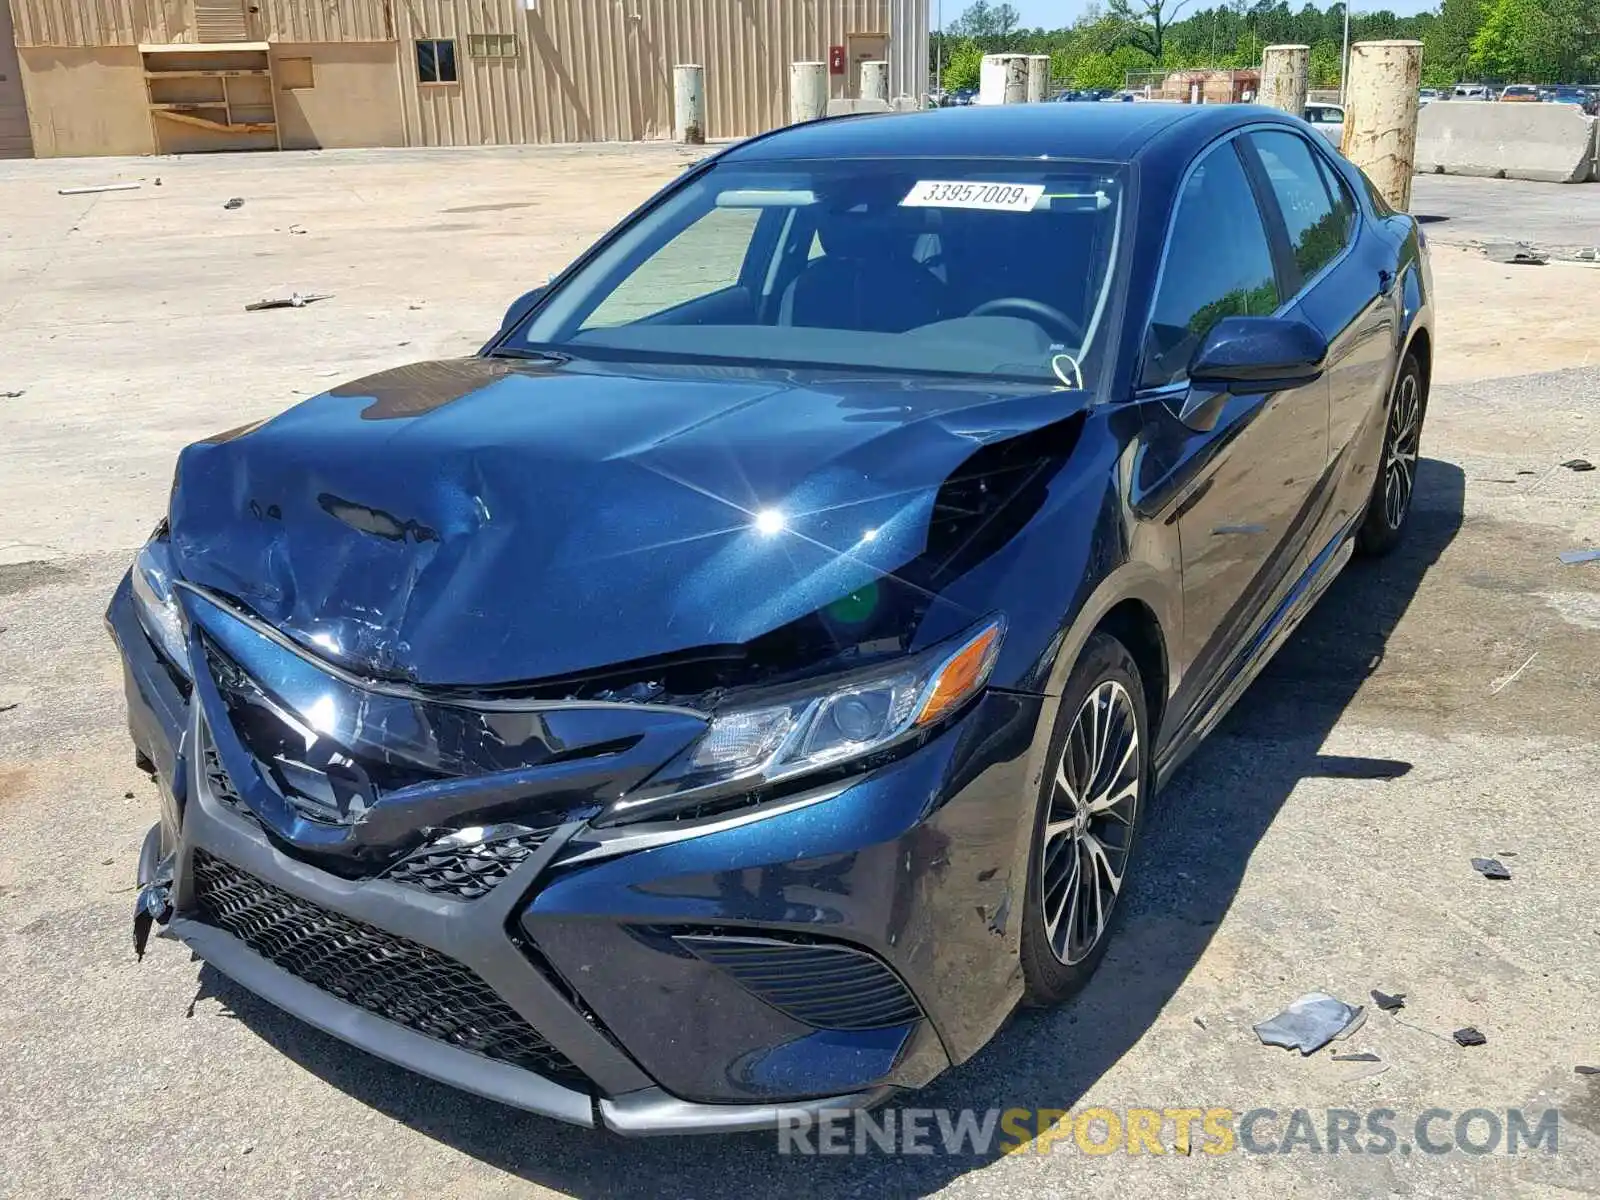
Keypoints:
(823, 985)
(397, 979)
(468, 871)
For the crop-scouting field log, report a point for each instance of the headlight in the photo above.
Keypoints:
(823, 726)
(152, 577)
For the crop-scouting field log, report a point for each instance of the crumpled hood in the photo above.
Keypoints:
(485, 521)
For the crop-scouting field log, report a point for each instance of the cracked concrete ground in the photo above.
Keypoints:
(1435, 707)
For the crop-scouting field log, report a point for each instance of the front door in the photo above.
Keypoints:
(1243, 490)
(860, 48)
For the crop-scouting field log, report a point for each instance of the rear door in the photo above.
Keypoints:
(1238, 491)
(1344, 285)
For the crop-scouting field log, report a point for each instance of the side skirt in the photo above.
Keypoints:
(1258, 651)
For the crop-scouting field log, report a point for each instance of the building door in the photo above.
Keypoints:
(860, 48)
(15, 140)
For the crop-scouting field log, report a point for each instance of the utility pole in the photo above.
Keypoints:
(938, 54)
(1344, 59)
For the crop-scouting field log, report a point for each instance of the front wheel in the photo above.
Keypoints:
(1384, 525)
(1091, 802)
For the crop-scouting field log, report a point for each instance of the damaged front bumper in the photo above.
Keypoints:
(688, 976)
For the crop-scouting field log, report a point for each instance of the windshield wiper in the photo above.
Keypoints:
(559, 357)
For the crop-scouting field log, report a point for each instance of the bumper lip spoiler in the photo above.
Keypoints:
(646, 1112)
(395, 1043)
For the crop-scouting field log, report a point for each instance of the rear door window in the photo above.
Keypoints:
(1318, 228)
(1218, 264)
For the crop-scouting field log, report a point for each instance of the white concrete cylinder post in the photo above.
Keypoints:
(875, 80)
(808, 91)
(1003, 79)
(1380, 117)
(1284, 71)
(1038, 77)
(689, 104)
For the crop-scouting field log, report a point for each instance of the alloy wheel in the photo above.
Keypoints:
(1088, 830)
(1400, 450)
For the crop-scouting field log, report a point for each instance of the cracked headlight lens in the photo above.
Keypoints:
(824, 726)
(153, 600)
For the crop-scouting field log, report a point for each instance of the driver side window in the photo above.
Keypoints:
(1218, 264)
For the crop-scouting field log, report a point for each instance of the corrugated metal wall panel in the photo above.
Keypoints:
(586, 70)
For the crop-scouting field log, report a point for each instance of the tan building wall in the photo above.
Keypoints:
(593, 70)
(86, 101)
(547, 71)
(15, 141)
(353, 98)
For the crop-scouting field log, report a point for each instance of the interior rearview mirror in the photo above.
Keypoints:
(521, 307)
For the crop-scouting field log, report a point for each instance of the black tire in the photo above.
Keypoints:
(1056, 962)
(1394, 482)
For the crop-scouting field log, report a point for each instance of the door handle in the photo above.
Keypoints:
(1385, 282)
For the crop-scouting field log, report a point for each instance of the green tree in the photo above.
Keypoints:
(1447, 47)
(984, 20)
(1146, 22)
(1325, 66)
(1499, 46)
(962, 65)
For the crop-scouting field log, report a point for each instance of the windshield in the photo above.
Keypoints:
(989, 268)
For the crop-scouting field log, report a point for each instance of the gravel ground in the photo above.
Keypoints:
(1434, 708)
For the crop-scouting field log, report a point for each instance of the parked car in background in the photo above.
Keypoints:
(1520, 93)
(741, 684)
(1329, 121)
(1429, 95)
(1569, 95)
(1471, 91)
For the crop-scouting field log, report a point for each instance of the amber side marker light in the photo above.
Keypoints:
(962, 675)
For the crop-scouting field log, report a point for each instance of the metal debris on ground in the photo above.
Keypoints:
(1364, 1056)
(1309, 1023)
(1490, 868)
(1469, 1037)
(1387, 1002)
(1518, 254)
(1512, 678)
(99, 187)
(297, 229)
(293, 300)
(1578, 464)
(236, 202)
(10, 395)
(1581, 1070)
(1573, 557)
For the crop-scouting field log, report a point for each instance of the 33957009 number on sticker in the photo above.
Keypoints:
(1001, 197)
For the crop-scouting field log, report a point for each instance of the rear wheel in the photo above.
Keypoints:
(1091, 803)
(1392, 490)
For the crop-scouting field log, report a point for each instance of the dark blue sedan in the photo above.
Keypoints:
(742, 684)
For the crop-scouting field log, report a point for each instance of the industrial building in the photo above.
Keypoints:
(83, 77)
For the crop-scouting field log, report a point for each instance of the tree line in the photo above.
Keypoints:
(1485, 41)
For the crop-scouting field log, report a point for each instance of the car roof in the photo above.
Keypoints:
(1101, 132)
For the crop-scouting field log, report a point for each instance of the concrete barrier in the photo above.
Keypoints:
(848, 106)
(1550, 143)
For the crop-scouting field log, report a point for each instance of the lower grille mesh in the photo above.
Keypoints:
(397, 979)
(827, 986)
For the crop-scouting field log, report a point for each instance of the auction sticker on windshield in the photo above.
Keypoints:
(944, 193)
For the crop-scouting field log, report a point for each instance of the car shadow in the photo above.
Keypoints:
(1200, 836)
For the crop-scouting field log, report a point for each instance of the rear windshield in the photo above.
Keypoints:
(970, 267)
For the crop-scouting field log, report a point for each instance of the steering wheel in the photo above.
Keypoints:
(1033, 310)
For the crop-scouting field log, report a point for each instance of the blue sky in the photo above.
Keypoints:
(1054, 13)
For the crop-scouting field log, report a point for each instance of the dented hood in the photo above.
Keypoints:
(485, 521)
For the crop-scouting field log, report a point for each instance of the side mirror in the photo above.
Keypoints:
(1250, 354)
(1259, 354)
(521, 307)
